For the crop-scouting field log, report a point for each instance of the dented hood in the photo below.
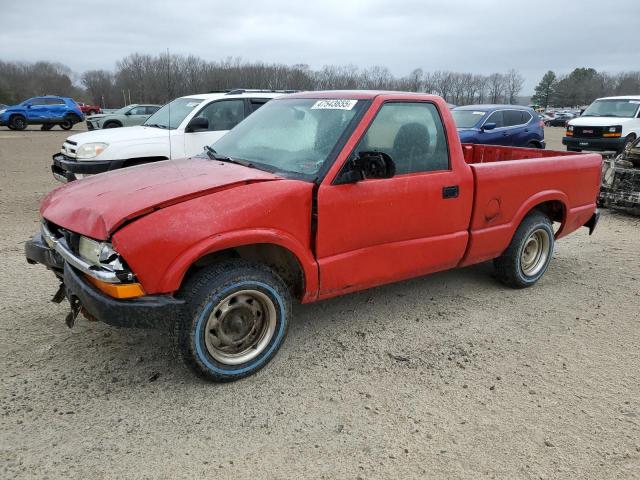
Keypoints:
(97, 206)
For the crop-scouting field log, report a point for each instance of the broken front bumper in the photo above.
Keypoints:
(64, 169)
(149, 311)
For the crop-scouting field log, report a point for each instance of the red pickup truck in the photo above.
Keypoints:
(314, 195)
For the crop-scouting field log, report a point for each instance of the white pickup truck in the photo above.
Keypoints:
(180, 129)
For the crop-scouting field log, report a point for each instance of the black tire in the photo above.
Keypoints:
(627, 141)
(111, 125)
(533, 145)
(571, 149)
(509, 266)
(18, 122)
(210, 292)
(46, 126)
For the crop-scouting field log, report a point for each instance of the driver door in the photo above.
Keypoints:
(222, 115)
(377, 231)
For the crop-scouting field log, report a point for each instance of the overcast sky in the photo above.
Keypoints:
(472, 36)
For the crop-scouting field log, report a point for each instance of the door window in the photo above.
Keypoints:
(497, 118)
(223, 115)
(138, 111)
(412, 134)
(515, 117)
(151, 110)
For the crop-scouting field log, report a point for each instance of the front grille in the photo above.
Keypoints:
(68, 149)
(587, 132)
(71, 142)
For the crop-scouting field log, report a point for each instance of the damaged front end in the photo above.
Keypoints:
(97, 281)
(620, 187)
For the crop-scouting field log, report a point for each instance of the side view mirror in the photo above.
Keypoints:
(367, 165)
(489, 126)
(197, 124)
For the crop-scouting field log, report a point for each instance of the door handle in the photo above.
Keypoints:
(451, 191)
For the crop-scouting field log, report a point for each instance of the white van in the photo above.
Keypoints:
(180, 129)
(608, 124)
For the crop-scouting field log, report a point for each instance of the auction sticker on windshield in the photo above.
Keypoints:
(334, 105)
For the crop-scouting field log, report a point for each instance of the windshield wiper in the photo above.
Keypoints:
(213, 155)
(156, 125)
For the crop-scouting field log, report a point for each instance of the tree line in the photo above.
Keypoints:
(145, 78)
(142, 78)
(582, 86)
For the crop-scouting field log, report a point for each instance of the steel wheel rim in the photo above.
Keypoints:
(535, 252)
(240, 327)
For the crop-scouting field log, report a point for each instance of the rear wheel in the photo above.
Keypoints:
(528, 255)
(111, 125)
(17, 122)
(533, 145)
(235, 320)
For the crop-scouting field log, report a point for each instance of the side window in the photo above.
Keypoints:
(412, 134)
(138, 111)
(152, 110)
(224, 114)
(38, 101)
(256, 103)
(512, 118)
(496, 117)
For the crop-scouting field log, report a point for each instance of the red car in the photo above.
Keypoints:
(89, 109)
(315, 195)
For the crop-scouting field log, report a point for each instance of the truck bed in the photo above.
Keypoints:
(509, 182)
(493, 153)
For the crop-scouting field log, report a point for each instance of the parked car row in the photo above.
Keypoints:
(311, 196)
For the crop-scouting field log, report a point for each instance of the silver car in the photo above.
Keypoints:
(128, 116)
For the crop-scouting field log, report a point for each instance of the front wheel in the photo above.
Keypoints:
(66, 124)
(235, 320)
(528, 255)
(17, 122)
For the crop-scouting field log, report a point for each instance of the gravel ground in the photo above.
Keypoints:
(447, 376)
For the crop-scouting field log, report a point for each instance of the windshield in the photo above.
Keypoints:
(612, 108)
(172, 114)
(290, 135)
(467, 118)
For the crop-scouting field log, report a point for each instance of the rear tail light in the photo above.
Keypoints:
(541, 123)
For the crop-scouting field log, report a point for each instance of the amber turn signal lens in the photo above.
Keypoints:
(569, 133)
(117, 290)
(614, 135)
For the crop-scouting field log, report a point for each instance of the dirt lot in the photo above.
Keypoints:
(448, 376)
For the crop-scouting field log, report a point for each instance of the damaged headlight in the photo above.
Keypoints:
(90, 150)
(100, 254)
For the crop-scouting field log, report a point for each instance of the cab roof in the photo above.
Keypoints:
(355, 94)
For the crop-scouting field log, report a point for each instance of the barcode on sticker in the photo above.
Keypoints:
(334, 104)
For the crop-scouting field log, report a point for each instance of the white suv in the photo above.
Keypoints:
(609, 123)
(180, 129)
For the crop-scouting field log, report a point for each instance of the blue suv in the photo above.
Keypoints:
(46, 111)
(511, 125)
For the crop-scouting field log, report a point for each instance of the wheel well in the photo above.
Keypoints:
(279, 258)
(139, 161)
(117, 122)
(554, 209)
